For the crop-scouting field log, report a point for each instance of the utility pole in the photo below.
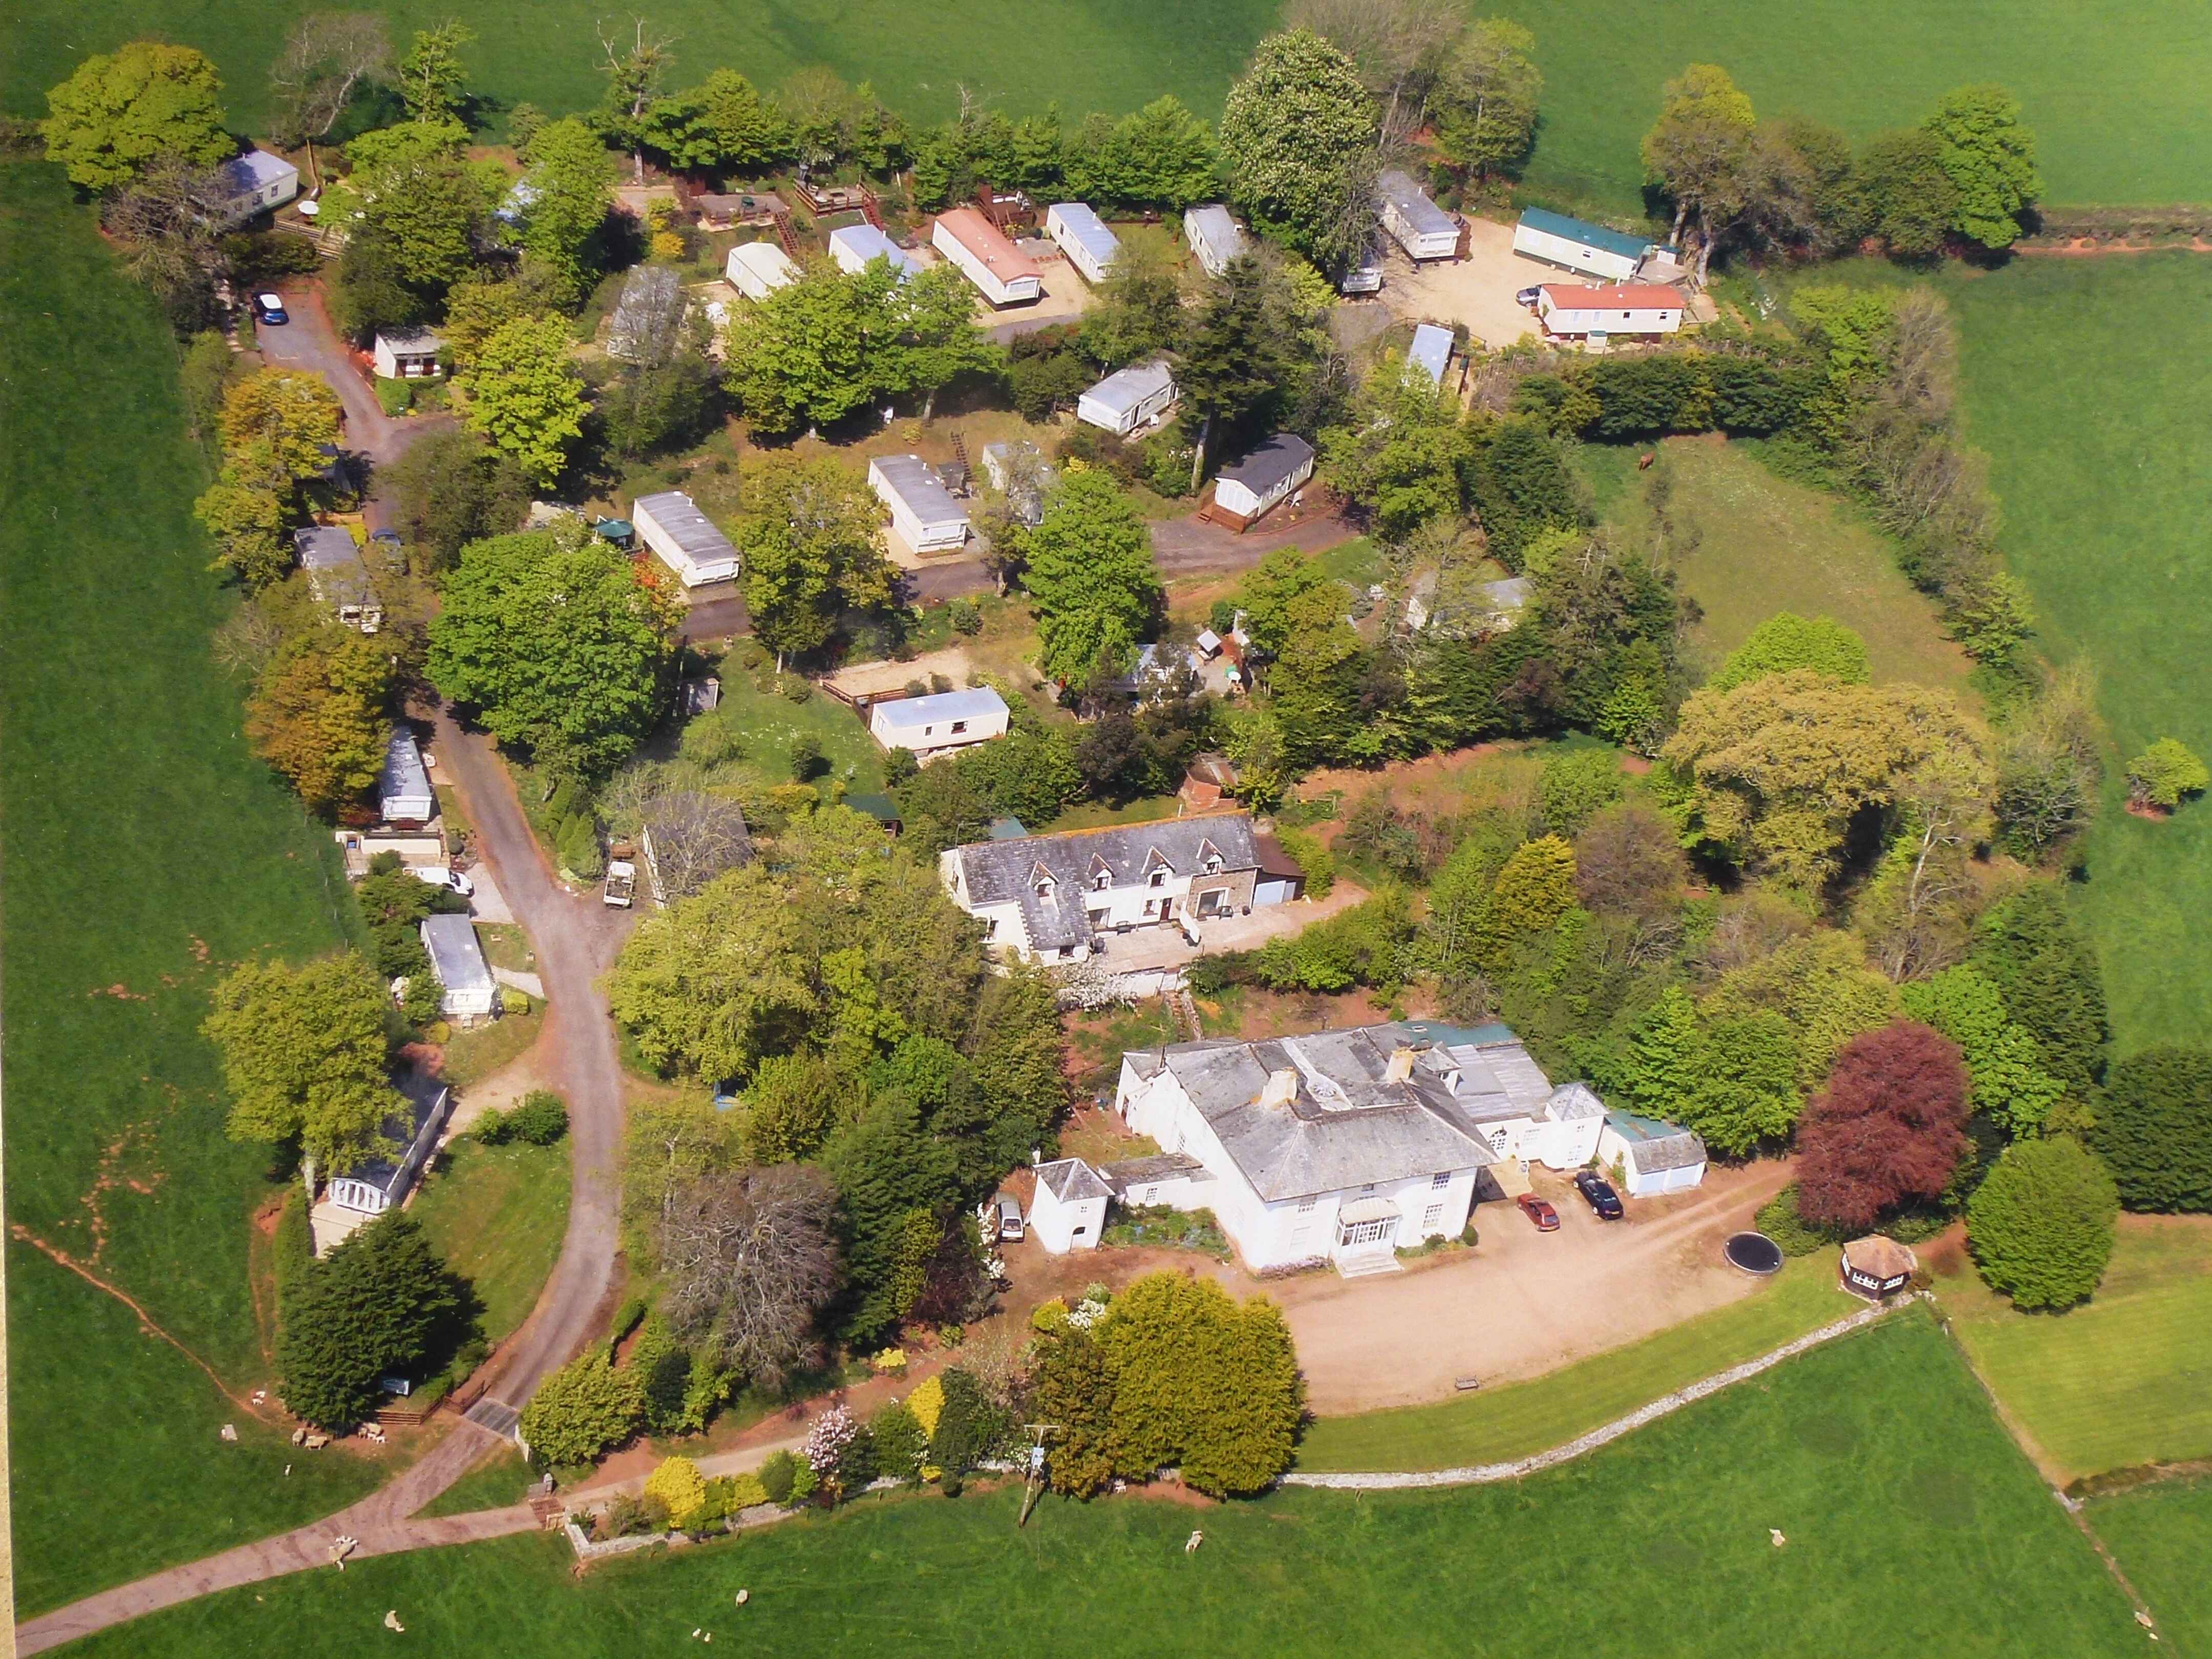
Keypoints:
(1035, 1488)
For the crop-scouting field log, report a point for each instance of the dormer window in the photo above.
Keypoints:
(1213, 867)
(1101, 882)
(1044, 888)
(1157, 878)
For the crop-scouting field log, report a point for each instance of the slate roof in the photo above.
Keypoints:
(455, 957)
(1007, 872)
(1126, 388)
(1266, 467)
(1071, 1181)
(1144, 1171)
(906, 713)
(246, 174)
(1570, 1100)
(1400, 190)
(1624, 243)
(1656, 1145)
(326, 547)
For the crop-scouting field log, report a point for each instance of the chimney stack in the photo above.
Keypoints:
(1401, 1066)
(1282, 1087)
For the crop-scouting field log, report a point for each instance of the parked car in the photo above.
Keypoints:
(387, 542)
(1598, 1192)
(1528, 296)
(1001, 1216)
(1540, 1212)
(269, 310)
(451, 880)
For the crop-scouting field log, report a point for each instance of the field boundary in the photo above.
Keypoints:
(1481, 1474)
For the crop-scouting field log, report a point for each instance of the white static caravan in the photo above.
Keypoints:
(1424, 230)
(338, 577)
(930, 725)
(256, 182)
(1577, 244)
(1215, 237)
(757, 270)
(1255, 484)
(457, 960)
(923, 513)
(403, 794)
(1069, 1211)
(372, 1188)
(1002, 275)
(853, 246)
(1567, 309)
(1431, 351)
(684, 538)
(1128, 397)
(1082, 235)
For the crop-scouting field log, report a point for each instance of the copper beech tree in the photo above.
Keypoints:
(1890, 1126)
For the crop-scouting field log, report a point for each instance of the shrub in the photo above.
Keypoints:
(2041, 1225)
(776, 1474)
(891, 1362)
(2164, 774)
(540, 1120)
(926, 1403)
(393, 396)
(797, 689)
(804, 1481)
(900, 1441)
(677, 1485)
(2155, 1128)
(900, 766)
(514, 1002)
(1575, 785)
(583, 1409)
(807, 761)
(1779, 1219)
(1051, 1314)
(494, 1127)
(1316, 863)
(965, 616)
(967, 1429)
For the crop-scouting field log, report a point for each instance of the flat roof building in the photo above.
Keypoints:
(1254, 485)
(1000, 273)
(854, 246)
(757, 270)
(1129, 397)
(403, 794)
(1215, 238)
(1431, 351)
(931, 726)
(457, 959)
(1082, 235)
(1577, 244)
(1424, 230)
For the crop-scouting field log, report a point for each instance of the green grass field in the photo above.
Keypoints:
(2162, 1536)
(145, 849)
(1914, 1528)
(496, 1214)
(2126, 1379)
(497, 1481)
(1494, 1425)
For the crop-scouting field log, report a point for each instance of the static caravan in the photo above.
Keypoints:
(338, 578)
(407, 353)
(1213, 236)
(853, 246)
(923, 512)
(1566, 309)
(932, 725)
(1365, 278)
(1129, 397)
(1082, 237)
(986, 257)
(372, 1188)
(1424, 230)
(457, 960)
(1256, 484)
(403, 794)
(1577, 245)
(685, 538)
(757, 270)
(1431, 351)
(256, 182)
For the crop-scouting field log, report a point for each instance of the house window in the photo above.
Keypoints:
(1103, 883)
(1432, 1218)
(990, 927)
(1497, 1140)
(959, 726)
(1158, 878)
(1044, 890)
(1441, 1178)
(1066, 953)
(1151, 907)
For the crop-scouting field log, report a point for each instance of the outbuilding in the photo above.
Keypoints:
(1877, 1265)
(405, 798)
(1655, 1155)
(457, 959)
(1176, 1180)
(383, 1184)
(1280, 880)
(1069, 1211)
(685, 539)
(643, 329)
(1256, 485)
(931, 726)
(1569, 310)
(1082, 235)
(923, 513)
(1431, 351)
(1002, 274)
(1215, 238)
(407, 353)
(1577, 245)
(856, 246)
(757, 270)
(256, 182)
(1129, 397)
(338, 577)
(1424, 230)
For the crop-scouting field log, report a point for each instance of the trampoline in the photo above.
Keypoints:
(1755, 1253)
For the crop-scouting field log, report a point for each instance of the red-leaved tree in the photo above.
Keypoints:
(1890, 1126)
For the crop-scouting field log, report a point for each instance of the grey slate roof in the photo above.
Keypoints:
(906, 713)
(1126, 388)
(455, 957)
(246, 174)
(1007, 872)
(326, 548)
(1657, 1145)
(1426, 218)
(1570, 1100)
(1279, 458)
(1071, 1181)
(1144, 1171)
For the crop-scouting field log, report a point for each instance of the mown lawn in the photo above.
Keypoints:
(1913, 1527)
(2162, 1536)
(145, 851)
(2123, 1380)
(1491, 1425)
(496, 1214)
(767, 723)
(498, 1481)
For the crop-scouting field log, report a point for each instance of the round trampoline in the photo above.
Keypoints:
(1755, 1253)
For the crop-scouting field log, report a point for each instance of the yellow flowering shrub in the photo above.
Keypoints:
(927, 1403)
(679, 1486)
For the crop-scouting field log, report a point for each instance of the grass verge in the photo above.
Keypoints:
(497, 1482)
(497, 1214)
(473, 1055)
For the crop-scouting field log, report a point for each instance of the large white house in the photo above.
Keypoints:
(1001, 273)
(1568, 310)
(931, 726)
(1044, 898)
(685, 539)
(923, 513)
(1577, 244)
(1347, 1146)
(1128, 397)
(1424, 230)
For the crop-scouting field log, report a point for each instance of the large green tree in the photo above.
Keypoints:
(526, 396)
(721, 125)
(1911, 198)
(1991, 160)
(318, 714)
(122, 109)
(452, 488)
(1698, 153)
(1092, 576)
(373, 1307)
(2041, 1225)
(1161, 155)
(810, 353)
(571, 182)
(1487, 96)
(305, 1056)
(1234, 361)
(811, 550)
(1785, 642)
(2004, 1061)
(433, 80)
(1298, 135)
(2155, 1128)
(2030, 948)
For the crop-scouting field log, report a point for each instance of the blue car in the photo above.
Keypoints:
(269, 310)
(1598, 1194)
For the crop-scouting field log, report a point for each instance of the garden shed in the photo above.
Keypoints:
(1256, 485)
(1069, 1211)
(1424, 230)
(406, 353)
(1430, 352)
(687, 540)
(1215, 238)
(457, 959)
(1129, 397)
(1655, 1155)
(1877, 1265)
(757, 270)
(1082, 235)
(923, 513)
(1280, 880)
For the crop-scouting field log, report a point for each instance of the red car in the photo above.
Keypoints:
(1546, 1218)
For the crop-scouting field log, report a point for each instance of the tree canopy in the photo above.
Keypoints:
(316, 715)
(2155, 1128)
(1091, 575)
(1890, 1128)
(1298, 135)
(375, 1307)
(121, 110)
(810, 549)
(305, 1057)
(1989, 159)
(2041, 1225)
(1487, 97)
(1785, 642)
(524, 395)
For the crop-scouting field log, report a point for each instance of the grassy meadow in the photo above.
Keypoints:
(1913, 1527)
(2162, 1536)
(145, 849)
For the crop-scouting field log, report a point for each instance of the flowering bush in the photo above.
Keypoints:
(679, 1488)
(926, 1403)
(891, 1362)
(830, 1441)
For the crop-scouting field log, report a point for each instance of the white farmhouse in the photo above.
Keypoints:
(1129, 397)
(1424, 230)
(934, 725)
(1576, 245)
(1655, 1156)
(1256, 485)
(1001, 273)
(853, 246)
(1069, 1209)
(1347, 1146)
(338, 577)
(685, 539)
(1215, 237)
(1043, 898)
(757, 270)
(923, 513)
(404, 795)
(256, 182)
(457, 960)
(1568, 311)
(1082, 235)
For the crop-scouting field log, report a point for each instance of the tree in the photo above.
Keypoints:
(747, 1258)
(1575, 786)
(1911, 200)
(558, 644)
(2041, 1225)
(791, 1107)
(1785, 642)
(895, 1188)
(2165, 775)
(811, 353)
(2004, 1062)
(1233, 361)
(1521, 486)
(722, 126)
(1090, 574)
(832, 122)
(634, 70)
(2028, 947)
(317, 715)
(168, 224)
(1627, 861)
(1890, 1126)
(122, 111)
(2155, 1128)
(284, 418)
(247, 518)
(678, 1487)
(571, 181)
(1697, 154)
(452, 488)
(1820, 983)
(1486, 98)
(1835, 196)
(524, 395)
(1402, 452)
(433, 80)
(1161, 155)
(1137, 311)
(423, 210)
(1534, 888)
(810, 551)
(327, 58)
(373, 1308)
(1292, 132)
(585, 1408)
(1395, 46)
(933, 339)
(1989, 159)
(304, 1056)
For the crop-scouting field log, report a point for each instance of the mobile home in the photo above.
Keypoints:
(684, 538)
(1128, 397)
(1213, 236)
(757, 270)
(853, 246)
(923, 513)
(1263, 479)
(1424, 230)
(1002, 275)
(1082, 235)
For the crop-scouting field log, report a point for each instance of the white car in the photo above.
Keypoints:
(453, 879)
